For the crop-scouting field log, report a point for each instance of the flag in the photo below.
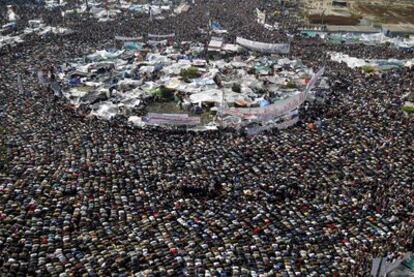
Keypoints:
(314, 79)
(261, 16)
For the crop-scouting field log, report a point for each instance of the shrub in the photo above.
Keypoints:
(189, 73)
(291, 84)
(236, 87)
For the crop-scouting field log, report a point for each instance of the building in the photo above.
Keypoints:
(352, 29)
(398, 30)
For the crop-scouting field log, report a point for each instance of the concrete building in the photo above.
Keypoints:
(328, 7)
(352, 29)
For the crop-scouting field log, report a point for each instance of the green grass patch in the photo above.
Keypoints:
(189, 73)
(164, 94)
(408, 109)
(368, 69)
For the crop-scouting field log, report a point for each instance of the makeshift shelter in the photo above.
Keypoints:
(215, 44)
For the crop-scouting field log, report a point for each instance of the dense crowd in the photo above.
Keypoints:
(89, 197)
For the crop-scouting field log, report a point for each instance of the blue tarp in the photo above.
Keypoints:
(216, 26)
(137, 8)
(9, 26)
(264, 103)
(74, 81)
(132, 45)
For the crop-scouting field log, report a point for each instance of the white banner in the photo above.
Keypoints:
(182, 8)
(157, 42)
(128, 38)
(167, 115)
(161, 36)
(281, 48)
(171, 119)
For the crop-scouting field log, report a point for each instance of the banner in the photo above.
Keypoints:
(128, 38)
(157, 42)
(167, 115)
(280, 48)
(171, 119)
(182, 8)
(315, 78)
(269, 112)
(161, 36)
(261, 17)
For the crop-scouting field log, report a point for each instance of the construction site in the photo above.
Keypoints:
(359, 13)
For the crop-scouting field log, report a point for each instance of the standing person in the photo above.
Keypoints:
(150, 13)
(42, 77)
(52, 75)
(19, 83)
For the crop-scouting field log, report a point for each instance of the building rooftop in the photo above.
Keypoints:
(352, 29)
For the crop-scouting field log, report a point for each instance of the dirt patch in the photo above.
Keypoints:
(334, 20)
(387, 14)
(163, 107)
